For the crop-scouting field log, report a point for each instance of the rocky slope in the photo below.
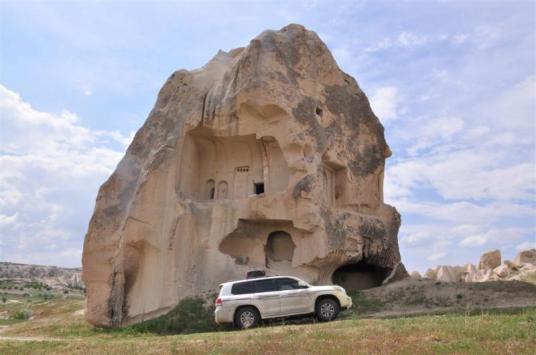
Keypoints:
(269, 157)
(489, 268)
(52, 276)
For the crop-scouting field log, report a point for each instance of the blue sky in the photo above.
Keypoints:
(454, 83)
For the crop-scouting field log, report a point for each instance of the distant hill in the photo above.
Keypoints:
(52, 276)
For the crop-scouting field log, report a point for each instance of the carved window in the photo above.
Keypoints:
(258, 188)
(222, 190)
(210, 190)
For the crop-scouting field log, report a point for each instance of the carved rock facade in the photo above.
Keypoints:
(269, 157)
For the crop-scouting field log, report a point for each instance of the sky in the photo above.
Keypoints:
(453, 82)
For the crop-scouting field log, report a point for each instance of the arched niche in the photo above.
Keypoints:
(223, 189)
(209, 190)
(279, 247)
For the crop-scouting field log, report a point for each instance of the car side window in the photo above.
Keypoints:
(242, 288)
(265, 286)
(286, 284)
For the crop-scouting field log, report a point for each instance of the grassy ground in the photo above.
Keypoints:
(482, 334)
(58, 327)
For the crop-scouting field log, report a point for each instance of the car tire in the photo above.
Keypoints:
(327, 309)
(246, 317)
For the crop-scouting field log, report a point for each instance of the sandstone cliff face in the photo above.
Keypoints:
(269, 157)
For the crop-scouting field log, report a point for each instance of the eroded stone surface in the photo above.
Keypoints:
(269, 157)
(526, 257)
(490, 260)
(522, 270)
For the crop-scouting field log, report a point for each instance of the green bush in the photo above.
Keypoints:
(23, 314)
(362, 304)
(191, 315)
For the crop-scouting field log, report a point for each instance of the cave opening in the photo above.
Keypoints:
(359, 276)
(258, 187)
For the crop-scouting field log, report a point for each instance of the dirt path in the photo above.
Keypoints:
(10, 338)
(412, 298)
(3, 328)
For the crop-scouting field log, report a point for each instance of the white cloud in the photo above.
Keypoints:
(466, 183)
(485, 36)
(460, 38)
(385, 102)
(474, 240)
(436, 256)
(382, 44)
(50, 169)
(409, 39)
(526, 245)
(5, 219)
(404, 39)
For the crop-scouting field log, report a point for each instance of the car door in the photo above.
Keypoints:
(294, 300)
(266, 298)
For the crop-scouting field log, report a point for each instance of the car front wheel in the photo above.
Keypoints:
(247, 317)
(327, 309)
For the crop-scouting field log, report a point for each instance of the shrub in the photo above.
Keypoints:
(191, 315)
(23, 314)
(362, 304)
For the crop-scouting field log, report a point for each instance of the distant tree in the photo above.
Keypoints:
(54, 271)
(33, 271)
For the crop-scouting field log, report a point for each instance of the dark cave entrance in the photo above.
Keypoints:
(359, 276)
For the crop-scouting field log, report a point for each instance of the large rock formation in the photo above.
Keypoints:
(269, 157)
(526, 257)
(490, 260)
(489, 269)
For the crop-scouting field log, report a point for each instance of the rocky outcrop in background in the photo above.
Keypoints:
(53, 276)
(269, 157)
(489, 269)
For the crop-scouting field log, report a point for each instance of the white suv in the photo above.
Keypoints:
(244, 303)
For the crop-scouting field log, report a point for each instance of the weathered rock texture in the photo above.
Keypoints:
(489, 269)
(269, 157)
(58, 278)
(490, 260)
(526, 257)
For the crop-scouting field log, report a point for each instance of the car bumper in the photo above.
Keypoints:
(223, 315)
(346, 302)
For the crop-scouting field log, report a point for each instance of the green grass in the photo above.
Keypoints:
(480, 334)
(362, 305)
(191, 315)
(64, 330)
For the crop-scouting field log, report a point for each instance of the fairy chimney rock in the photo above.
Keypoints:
(490, 260)
(269, 157)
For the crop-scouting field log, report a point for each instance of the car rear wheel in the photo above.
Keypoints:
(327, 309)
(247, 317)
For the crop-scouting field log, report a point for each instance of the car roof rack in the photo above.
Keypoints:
(255, 274)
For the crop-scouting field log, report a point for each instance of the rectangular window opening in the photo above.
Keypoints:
(259, 188)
